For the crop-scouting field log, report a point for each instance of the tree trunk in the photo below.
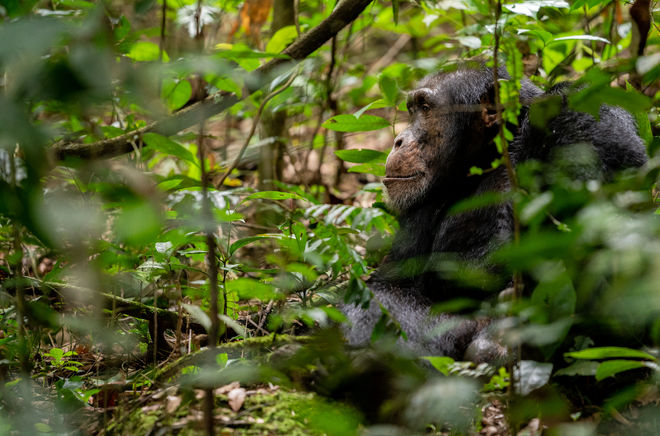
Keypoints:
(273, 124)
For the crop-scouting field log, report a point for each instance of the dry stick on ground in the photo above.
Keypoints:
(344, 13)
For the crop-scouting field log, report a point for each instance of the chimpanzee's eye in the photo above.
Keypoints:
(426, 107)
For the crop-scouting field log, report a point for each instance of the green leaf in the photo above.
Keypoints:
(245, 241)
(138, 223)
(377, 169)
(613, 367)
(247, 288)
(373, 105)
(643, 123)
(225, 84)
(599, 92)
(441, 363)
(167, 146)
(609, 353)
(274, 195)
(544, 110)
(176, 93)
(144, 51)
(349, 123)
(282, 38)
(581, 38)
(579, 367)
(389, 88)
(56, 354)
(395, 11)
(362, 155)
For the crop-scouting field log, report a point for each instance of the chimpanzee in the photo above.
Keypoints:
(452, 128)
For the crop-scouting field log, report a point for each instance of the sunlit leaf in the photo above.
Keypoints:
(273, 195)
(247, 288)
(245, 241)
(176, 93)
(609, 353)
(531, 8)
(349, 123)
(361, 155)
(611, 368)
(167, 146)
(441, 363)
(581, 38)
(283, 37)
(389, 88)
(377, 169)
(143, 51)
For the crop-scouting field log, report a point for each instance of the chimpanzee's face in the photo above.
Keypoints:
(443, 139)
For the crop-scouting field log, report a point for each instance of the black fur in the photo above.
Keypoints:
(407, 283)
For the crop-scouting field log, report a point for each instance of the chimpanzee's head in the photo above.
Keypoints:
(452, 125)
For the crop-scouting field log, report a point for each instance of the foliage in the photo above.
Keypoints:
(104, 264)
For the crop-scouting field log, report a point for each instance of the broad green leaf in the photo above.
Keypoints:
(554, 54)
(579, 367)
(609, 353)
(167, 146)
(362, 155)
(138, 224)
(56, 354)
(274, 195)
(441, 363)
(282, 38)
(143, 51)
(245, 241)
(349, 123)
(241, 51)
(590, 99)
(613, 367)
(373, 105)
(377, 169)
(244, 56)
(176, 93)
(389, 88)
(544, 110)
(225, 84)
(247, 288)
(643, 123)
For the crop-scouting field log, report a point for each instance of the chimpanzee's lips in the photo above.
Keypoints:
(402, 178)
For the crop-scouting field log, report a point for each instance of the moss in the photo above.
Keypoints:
(276, 412)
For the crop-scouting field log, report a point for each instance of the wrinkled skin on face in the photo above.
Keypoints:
(444, 138)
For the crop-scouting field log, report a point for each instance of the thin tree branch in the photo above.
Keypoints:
(255, 123)
(344, 13)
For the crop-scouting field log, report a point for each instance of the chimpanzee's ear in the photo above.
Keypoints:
(488, 109)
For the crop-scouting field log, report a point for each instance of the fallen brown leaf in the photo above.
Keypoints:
(236, 398)
(224, 390)
(173, 402)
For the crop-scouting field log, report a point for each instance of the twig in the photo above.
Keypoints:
(344, 13)
(255, 123)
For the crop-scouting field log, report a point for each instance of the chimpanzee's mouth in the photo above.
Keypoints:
(402, 178)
